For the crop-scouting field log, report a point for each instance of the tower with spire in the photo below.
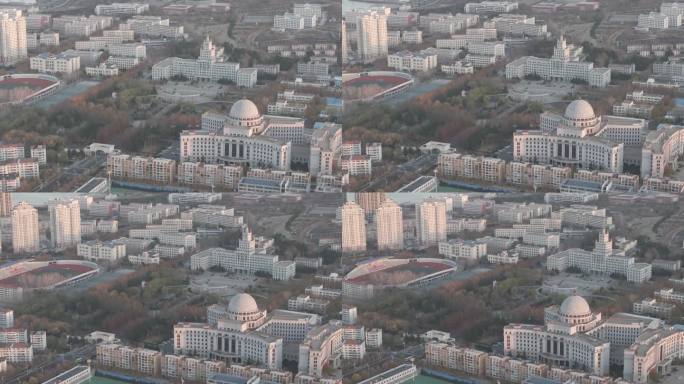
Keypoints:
(209, 52)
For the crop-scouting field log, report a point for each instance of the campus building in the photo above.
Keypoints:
(565, 64)
(252, 255)
(574, 337)
(604, 259)
(661, 150)
(241, 332)
(246, 137)
(579, 139)
(210, 65)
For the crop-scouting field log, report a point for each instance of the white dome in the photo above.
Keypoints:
(244, 110)
(575, 306)
(242, 303)
(579, 110)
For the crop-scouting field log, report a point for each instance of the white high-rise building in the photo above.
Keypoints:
(13, 46)
(344, 47)
(353, 228)
(371, 29)
(25, 233)
(389, 225)
(431, 222)
(65, 223)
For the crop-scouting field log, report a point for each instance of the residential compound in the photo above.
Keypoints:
(17, 345)
(211, 65)
(517, 25)
(303, 16)
(152, 27)
(69, 25)
(670, 16)
(566, 64)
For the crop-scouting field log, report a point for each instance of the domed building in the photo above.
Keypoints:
(243, 308)
(242, 313)
(581, 139)
(245, 136)
(574, 315)
(574, 337)
(579, 119)
(244, 119)
(238, 331)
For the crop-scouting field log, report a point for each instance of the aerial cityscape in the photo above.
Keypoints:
(341, 192)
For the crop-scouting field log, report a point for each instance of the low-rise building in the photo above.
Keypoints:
(60, 63)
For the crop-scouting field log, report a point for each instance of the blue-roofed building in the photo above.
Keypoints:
(576, 185)
(253, 184)
(64, 62)
(286, 183)
(225, 378)
(333, 107)
(540, 380)
(420, 185)
(75, 375)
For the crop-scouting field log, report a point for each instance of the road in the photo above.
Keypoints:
(76, 169)
(418, 165)
(84, 352)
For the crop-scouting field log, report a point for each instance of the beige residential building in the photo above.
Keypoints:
(25, 230)
(353, 228)
(13, 47)
(65, 223)
(142, 168)
(389, 226)
(431, 222)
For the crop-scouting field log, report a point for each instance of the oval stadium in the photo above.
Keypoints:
(26, 88)
(369, 278)
(20, 278)
(375, 85)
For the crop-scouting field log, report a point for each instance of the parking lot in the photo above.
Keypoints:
(540, 91)
(584, 285)
(221, 283)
